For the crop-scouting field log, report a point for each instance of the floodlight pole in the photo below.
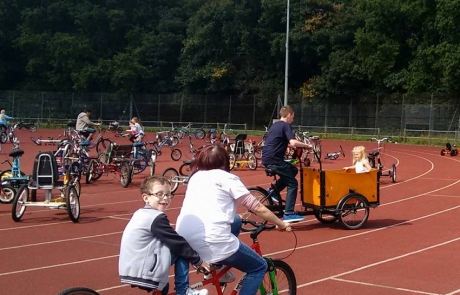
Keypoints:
(286, 67)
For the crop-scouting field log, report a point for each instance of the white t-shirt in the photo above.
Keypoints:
(360, 168)
(207, 213)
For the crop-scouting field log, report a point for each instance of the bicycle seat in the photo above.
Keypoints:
(16, 153)
(270, 172)
(374, 153)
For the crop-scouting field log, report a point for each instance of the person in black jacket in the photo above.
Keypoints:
(149, 245)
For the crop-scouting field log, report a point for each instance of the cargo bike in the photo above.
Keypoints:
(329, 195)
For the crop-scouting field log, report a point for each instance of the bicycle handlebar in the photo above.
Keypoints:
(258, 227)
(380, 140)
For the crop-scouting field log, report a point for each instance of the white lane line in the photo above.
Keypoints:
(384, 287)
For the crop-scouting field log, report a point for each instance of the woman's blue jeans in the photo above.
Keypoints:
(248, 261)
(181, 266)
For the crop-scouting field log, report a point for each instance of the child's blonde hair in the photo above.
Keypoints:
(362, 153)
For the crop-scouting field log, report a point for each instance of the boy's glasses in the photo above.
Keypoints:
(161, 195)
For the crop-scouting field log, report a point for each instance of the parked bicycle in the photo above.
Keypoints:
(163, 140)
(29, 126)
(199, 133)
(375, 161)
(279, 278)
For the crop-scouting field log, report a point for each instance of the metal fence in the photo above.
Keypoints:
(390, 113)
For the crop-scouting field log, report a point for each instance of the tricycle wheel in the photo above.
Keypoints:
(393, 173)
(172, 174)
(72, 202)
(232, 159)
(325, 218)
(7, 193)
(125, 174)
(443, 152)
(453, 152)
(306, 162)
(253, 164)
(353, 211)
(21, 197)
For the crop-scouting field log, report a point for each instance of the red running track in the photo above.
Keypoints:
(409, 245)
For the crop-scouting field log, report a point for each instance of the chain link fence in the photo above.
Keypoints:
(389, 113)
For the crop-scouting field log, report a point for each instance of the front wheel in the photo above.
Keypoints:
(353, 211)
(172, 175)
(279, 279)
(253, 162)
(232, 159)
(78, 291)
(72, 202)
(19, 207)
(184, 169)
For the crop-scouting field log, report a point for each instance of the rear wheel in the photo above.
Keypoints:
(184, 169)
(353, 211)
(172, 175)
(393, 173)
(279, 279)
(263, 197)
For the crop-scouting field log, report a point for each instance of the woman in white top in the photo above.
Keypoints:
(360, 162)
(208, 218)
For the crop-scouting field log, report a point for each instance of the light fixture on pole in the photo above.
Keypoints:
(286, 67)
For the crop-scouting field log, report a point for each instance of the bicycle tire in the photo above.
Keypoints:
(7, 194)
(78, 291)
(263, 197)
(102, 145)
(279, 279)
(171, 174)
(199, 133)
(184, 169)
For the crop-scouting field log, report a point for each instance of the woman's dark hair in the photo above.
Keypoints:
(211, 157)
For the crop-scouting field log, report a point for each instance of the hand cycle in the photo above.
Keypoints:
(375, 161)
(279, 278)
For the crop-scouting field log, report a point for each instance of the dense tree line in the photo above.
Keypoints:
(337, 48)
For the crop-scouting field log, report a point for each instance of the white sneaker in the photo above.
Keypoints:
(228, 277)
(196, 292)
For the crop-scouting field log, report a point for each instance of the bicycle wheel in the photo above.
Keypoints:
(279, 279)
(125, 174)
(18, 209)
(72, 202)
(7, 174)
(232, 159)
(78, 291)
(176, 154)
(393, 173)
(3, 137)
(184, 169)
(172, 175)
(199, 133)
(264, 198)
(7, 193)
(102, 145)
(353, 211)
(253, 164)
